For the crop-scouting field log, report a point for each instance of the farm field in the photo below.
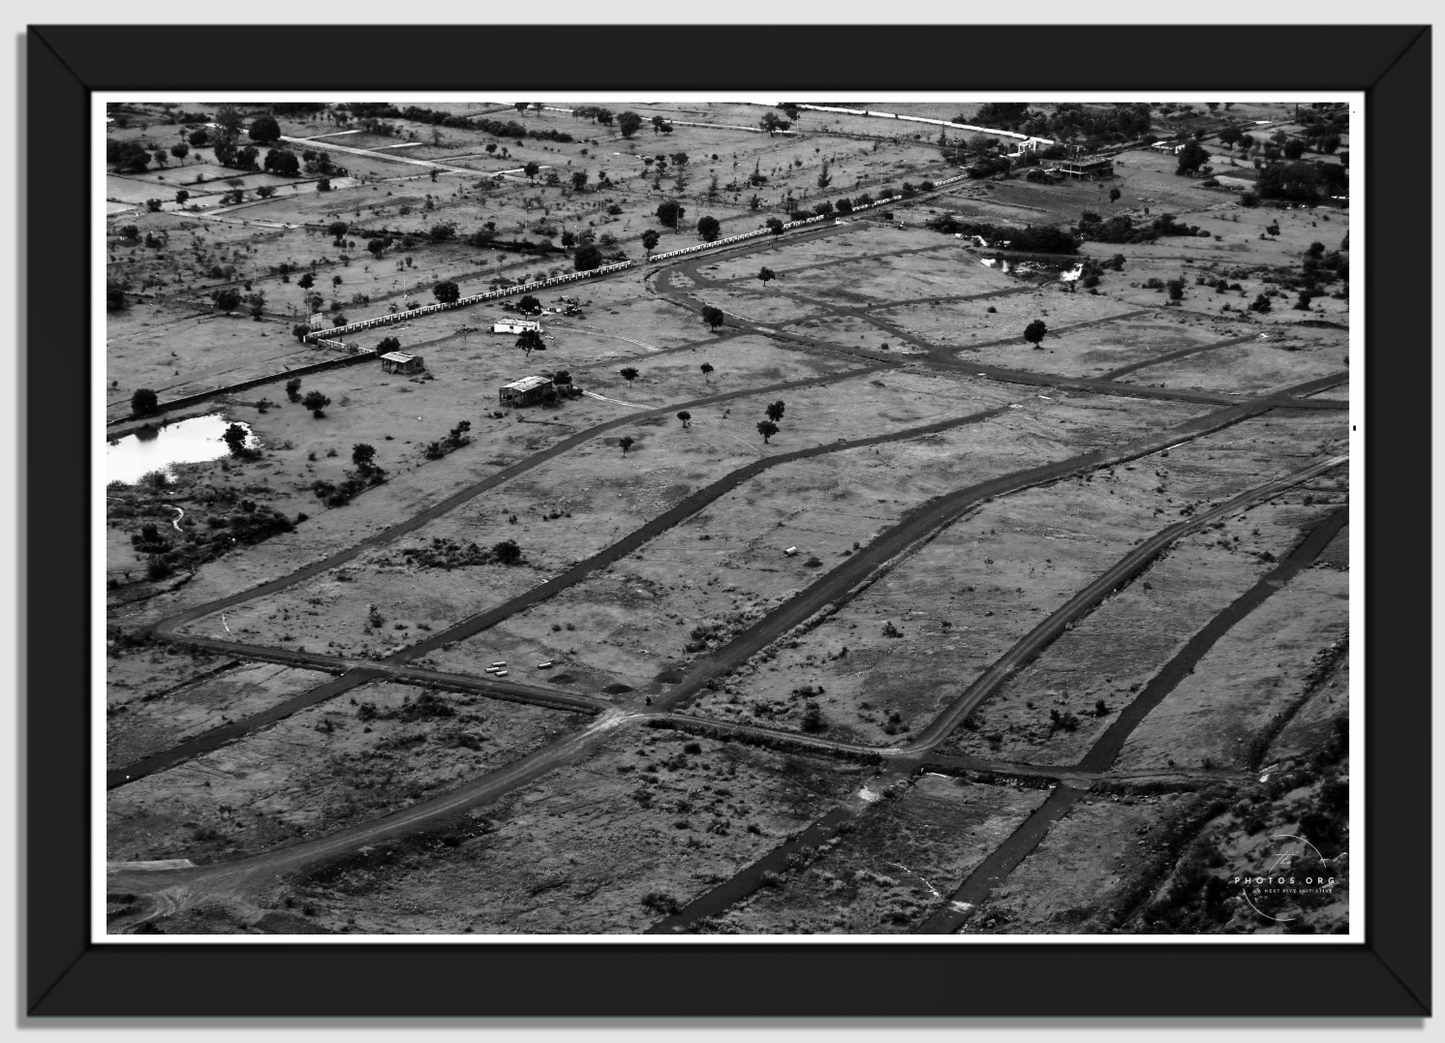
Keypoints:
(865, 577)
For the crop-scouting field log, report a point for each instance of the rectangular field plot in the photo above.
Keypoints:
(941, 268)
(1258, 672)
(845, 248)
(1085, 876)
(605, 847)
(149, 724)
(901, 861)
(321, 770)
(1254, 368)
(738, 364)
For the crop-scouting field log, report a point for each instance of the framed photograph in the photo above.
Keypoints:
(938, 514)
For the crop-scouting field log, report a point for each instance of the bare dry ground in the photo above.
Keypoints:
(606, 847)
(150, 723)
(320, 770)
(901, 859)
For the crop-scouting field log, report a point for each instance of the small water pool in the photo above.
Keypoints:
(156, 449)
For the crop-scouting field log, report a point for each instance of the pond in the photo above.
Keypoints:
(157, 448)
(1064, 271)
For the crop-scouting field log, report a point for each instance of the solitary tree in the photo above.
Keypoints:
(143, 402)
(317, 403)
(824, 178)
(181, 197)
(714, 317)
(1114, 195)
(629, 374)
(685, 417)
(257, 304)
(1176, 289)
(775, 225)
(337, 229)
(531, 169)
(706, 368)
(1261, 304)
(649, 240)
(306, 281)
(235, 439)
(628, 123)
(446, 292)
(587, 258)
(364, 457)
(670, 212)
(709, 228)
(579, 180)
(767, 429)
(529, 305)
(507, 552)
(1273, 229)
(562, 378)
(766, 274)
(775, 411)
(180, 151)
(1035, 331)
(228, 300)
(530, 341)
(265, 128)
(626, 442)
(293, 389)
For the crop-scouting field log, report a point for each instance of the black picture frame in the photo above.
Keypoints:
(65, 976)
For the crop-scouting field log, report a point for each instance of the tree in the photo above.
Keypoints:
(129, 157)
(1114, 194)
(1191, 158)
(685, 417)
(335, 280)
(766, 274)
(714, 317)
(337, 229)
(235, 439)
(587, 258)
(772, 124)
(706, 368)
(143, 402)
(306, 281)
(649, 240)
(199, 138)
(507, 552)
(1294, 148)
(1261, 304)
(767, 429)
(299, 331)
(181, 150)
(824, 178)
(293, 389)
(181, 196)
(1272, 229)
(1176, 289)
(363, 456)
(709, 228)
(629, 374)
(531, 169)
(1035, 331)
(670, 212)
(376, 247)
(265, 128)
(257, 304)
(280, 161)
(228, 300)
(562, 378)
(388, 344)
(530, 341)
(316, 402)
(775, 225)
(775, 411)
(441, 231)
(446, 292)
(626, 442)
(529, 305)
(579, 180)
(629, 123)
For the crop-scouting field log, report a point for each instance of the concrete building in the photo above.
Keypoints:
(401, 362)
(516, 326)
(1086, 167)
(526, 391)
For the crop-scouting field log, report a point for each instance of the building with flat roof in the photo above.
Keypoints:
(401, 362)
(1085, 167)
(525, 391)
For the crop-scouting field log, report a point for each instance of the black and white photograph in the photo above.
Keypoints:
(679, 517)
